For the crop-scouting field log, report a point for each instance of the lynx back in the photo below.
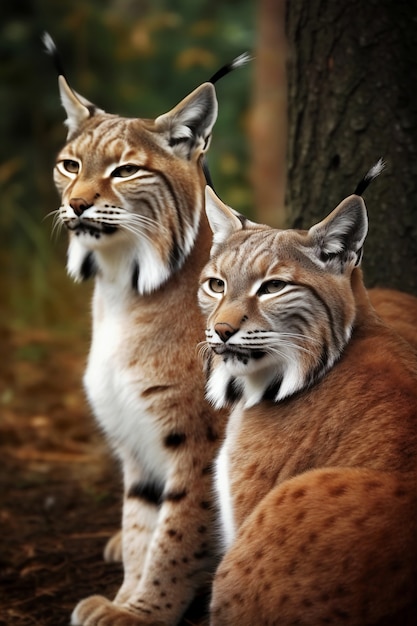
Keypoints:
(317, 475)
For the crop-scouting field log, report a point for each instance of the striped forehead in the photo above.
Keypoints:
(255, 252)
(113, 139)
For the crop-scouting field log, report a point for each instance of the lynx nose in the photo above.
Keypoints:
(224, 330)
(79, 205)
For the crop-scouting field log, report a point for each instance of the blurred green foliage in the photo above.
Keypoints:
(131, 57)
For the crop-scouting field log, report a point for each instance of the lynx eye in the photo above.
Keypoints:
(124, 171)
(70, 166)
(216, 285)
(271, 286)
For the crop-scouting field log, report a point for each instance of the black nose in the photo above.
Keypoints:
(79, 205)
(224, 330)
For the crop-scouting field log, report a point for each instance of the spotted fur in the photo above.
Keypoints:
(132, 196)
(317, 475)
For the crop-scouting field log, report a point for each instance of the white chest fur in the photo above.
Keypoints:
(114, 388)
(222, 485)
(223, 479)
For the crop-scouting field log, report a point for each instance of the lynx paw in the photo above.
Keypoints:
(98, 611)
(113, 549)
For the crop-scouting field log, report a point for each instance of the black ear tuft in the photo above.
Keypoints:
(239, 61)
(52, 50)
(369, 177)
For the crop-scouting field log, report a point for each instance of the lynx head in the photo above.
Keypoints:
(279, 303)
(132, 190)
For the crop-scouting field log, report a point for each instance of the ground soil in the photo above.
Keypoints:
(60, 491)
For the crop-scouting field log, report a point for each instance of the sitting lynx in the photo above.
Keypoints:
(132, 200)
(316, 479)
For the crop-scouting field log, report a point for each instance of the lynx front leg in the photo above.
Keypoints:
(178, 554)
(180, 559)
(140, 515)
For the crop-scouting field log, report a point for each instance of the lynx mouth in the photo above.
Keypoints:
(240, 354)
(94, 229)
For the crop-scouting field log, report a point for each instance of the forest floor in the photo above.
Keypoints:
(60, 492)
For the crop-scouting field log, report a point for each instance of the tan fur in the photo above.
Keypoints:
(323, 483)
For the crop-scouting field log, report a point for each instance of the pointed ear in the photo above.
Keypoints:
(188, 126)
(78, 109)
(339, 238)
(222, 219)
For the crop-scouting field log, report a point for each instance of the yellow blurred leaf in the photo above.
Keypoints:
(195, 57)
(9, 168)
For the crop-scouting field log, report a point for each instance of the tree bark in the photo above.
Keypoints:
(352, 92)
(268, 127)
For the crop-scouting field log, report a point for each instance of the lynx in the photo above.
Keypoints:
(317, 475)
(133, 202)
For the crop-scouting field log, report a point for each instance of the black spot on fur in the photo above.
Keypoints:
(135, 276)
(174, 440)
(200, 555)
(149, 492)
(175, 496)
(88, 267)
(233, 391)
(211, 434)
(272, 391)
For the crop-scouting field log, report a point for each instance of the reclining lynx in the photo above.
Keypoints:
(316, 478)
(132, 200)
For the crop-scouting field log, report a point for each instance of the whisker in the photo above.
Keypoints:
(57, 223)
(55, 212)
(148, 222)
(137, 232)
(203, 350)
(274, 349)
(281, 335)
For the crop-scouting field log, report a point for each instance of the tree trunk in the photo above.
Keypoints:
(352, 83)
(268, 127)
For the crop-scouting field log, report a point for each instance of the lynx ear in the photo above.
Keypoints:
(78, 109)
(188, 126)
(222, 219)
(339, 238)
